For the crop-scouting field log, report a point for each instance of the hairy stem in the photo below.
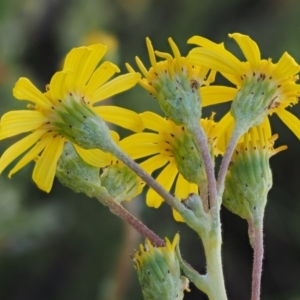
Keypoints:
(215, 279)
(171, 200)
(235, 136)
(201, 140)
(258, 249)
(121, 212)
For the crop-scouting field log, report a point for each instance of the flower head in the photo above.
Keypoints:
(249, 177)
(262, 87)
(159, 271)
(121, 183)
(175, 83)
(64, 112)
(171, 149)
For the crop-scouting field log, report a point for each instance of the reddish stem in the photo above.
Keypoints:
(121, 212)
(256, 239)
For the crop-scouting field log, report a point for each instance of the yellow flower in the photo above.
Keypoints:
(175, 83)
(169, 147)
(80, 82)
(262, 87)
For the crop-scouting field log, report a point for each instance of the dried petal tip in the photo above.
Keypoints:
(159, 272)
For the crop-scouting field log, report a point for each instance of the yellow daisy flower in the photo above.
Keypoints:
(262, 87)
(175, 83)
(82, 84)
(169, 147)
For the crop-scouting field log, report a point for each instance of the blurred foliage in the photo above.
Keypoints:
(63, 245)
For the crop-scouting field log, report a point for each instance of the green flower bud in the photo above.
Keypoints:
(82, 126)
(120, 182)
(159, 271)
(189, 159)
(249, 177)
(73, 172)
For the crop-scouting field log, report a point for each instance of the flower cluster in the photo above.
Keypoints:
(67, 136)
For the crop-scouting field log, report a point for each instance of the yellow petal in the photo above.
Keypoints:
(217, 94)
(88, 66)
(94, 157)
(291, 121)
(204, 42)
(19, 121)
(136, 151)
(141, 67)
(120, 116)
(222, 60)
(176, 52)
(166, 179)
(224, 131)
(59, 86)
(73, 57)
(45, 168)
(115, 136)
(154, 121)
(151, 54)
(153, 163)
(183, 188)
(18, 148)
(249, 48)
(30, 155)
(141, 138)
(266, 126)
(177, 216)
(115, 86)
(100, 76)
(286, 67)
(25, 90)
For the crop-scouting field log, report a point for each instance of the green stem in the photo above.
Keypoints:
(215, 278)
(200, 281)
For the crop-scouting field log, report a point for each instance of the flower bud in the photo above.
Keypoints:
(159, 271)
(249, 177)
(73, 172)
(121, 183)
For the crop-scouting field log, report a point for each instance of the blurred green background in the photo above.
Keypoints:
(64, 245)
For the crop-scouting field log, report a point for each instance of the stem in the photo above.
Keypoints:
(171, 200)
(235, 136)
(201, 140)
(258, 248)
(200, 281)
(215, 278)
(121, 212)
